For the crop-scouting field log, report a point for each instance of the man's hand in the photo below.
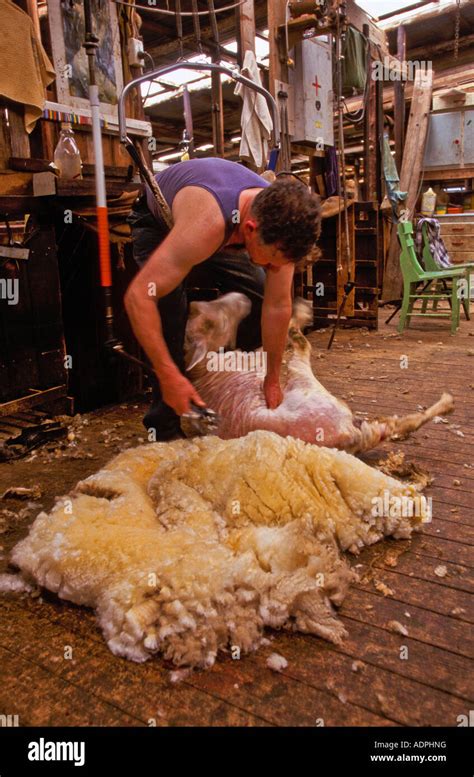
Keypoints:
(273, 392)
(178, 392)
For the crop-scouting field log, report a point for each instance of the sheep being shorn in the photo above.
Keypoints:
(308, 411)
(190, 547)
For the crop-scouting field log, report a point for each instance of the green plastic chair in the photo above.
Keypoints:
(430, 265)
(414, 276)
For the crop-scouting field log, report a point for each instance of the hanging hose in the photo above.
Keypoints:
(150, 180)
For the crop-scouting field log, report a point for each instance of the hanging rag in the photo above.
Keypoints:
(391, 176)
(354, 61)
(256, 121)
(331, 171)
(25, 70)
(437, 247)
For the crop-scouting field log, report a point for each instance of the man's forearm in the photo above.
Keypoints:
(275, 322)
(146, 324)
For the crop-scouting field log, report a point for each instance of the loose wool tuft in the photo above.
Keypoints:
(190, 547)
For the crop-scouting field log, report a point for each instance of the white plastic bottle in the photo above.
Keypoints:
(428, 202)
(67, 156)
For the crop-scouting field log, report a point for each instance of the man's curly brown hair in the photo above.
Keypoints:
(288, 216)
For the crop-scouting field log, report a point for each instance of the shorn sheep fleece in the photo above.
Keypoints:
(190, 547)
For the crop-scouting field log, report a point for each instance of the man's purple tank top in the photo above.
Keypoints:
(223, 179)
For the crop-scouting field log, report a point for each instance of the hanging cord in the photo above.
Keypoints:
(357, 117)
(457, 27)
(149, 179)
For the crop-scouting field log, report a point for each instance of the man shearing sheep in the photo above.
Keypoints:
(237, 232)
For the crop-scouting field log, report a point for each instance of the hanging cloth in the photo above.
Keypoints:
(25, 70)
(392, 179)
(437, 247)
(256, 121)
(354, 63)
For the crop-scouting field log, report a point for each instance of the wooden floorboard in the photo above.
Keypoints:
(369, 679)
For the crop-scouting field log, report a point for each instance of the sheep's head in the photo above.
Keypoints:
(213, 325)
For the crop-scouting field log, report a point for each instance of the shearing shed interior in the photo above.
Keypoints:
(236, 363)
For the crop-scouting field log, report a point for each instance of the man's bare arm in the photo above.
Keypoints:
(197, 233)
(276, 314)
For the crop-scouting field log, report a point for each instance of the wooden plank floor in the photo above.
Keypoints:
(366, 681)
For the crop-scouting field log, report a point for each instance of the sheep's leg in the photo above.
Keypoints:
(362, 435)
(370, 433)
(402, 427)
(299, 362)
(300, 372)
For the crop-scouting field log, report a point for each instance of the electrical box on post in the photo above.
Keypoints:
(313, 94)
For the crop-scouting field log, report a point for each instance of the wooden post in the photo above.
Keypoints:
(32, 8)
(370, 131)
(410, 174)
(5, 145)
(379, 149)
(276, 10)
(217, 108)
(245, 29)
(20, 142)
(399, 100)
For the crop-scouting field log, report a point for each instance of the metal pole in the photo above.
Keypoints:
(91, 44)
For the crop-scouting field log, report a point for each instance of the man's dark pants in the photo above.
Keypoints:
(226, 270)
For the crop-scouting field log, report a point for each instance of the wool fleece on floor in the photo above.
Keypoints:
(194, 546)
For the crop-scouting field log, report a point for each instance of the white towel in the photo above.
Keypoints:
(256, 121)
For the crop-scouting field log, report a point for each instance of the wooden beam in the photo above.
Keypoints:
(5, 145)
(276, 10)
(410, 175)
(32, 9)
(20, 144)
(426, 14)
(162, 51)
(379, 148)
(217, 114)
(455, 76)
(425, 52)
(370, 132)
(245, 29)
(358, 18)
(453, 174)
(399, 99)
